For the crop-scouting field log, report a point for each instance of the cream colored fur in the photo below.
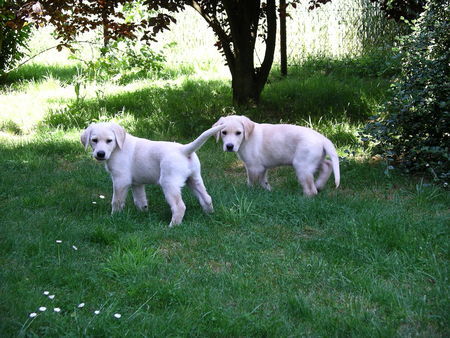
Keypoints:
(262, 146)
(134, 162)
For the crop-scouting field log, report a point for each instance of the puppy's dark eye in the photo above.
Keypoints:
(238, 133)
(94, 140)
(108, 141)
(224, 132)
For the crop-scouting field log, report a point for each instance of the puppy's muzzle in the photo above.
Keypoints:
(100, 156)
(230, 147)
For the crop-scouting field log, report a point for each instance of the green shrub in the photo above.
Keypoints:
(10, 127)
(13, 42)
(413, 133)
(124, 61)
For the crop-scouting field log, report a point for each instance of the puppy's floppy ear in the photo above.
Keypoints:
(120, 134)
(249, 125)
(218, 123)
(86, 136)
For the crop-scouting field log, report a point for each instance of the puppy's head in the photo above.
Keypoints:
(103, 138)
(237, 130)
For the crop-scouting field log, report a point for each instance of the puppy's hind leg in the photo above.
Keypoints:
(172, 193)
(139, 197)
(305, 175)
(324, 175)
(197, 186)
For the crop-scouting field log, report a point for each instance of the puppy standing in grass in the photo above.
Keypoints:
(134, 162)
(264, 146)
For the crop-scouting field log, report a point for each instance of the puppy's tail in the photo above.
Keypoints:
(331, 151)
(199, 141)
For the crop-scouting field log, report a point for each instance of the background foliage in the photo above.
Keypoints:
(13, 42)
(414, 131)
(123, 61)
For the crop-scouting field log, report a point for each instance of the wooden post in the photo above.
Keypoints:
(283, 46)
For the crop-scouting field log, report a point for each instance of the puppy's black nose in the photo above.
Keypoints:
(100, 154)
(230, 147)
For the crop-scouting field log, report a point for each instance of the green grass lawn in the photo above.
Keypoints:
(368, 259)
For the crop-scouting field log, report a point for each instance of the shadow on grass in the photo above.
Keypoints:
(332, 104)
(188, 108)
(308, 94)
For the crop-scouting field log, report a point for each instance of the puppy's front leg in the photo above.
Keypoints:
(252, 176)
(264, 181)
(120, 190)
(258, 174)
(139, 197)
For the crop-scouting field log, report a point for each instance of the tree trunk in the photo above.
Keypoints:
(238, 45)
(247, 80)
(104, 9)
(245, 89)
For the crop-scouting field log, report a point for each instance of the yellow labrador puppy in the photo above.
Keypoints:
(264, 146)
(134, 161)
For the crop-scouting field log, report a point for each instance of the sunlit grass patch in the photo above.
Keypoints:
(180, 108)
(38, 72)
(26, 106)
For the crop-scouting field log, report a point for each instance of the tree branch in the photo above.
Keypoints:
(270, 41)
(42, 52)
(223, 37)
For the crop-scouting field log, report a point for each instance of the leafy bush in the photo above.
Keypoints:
(413, 133)
(13, 41)
(10, 126)
(124, 61)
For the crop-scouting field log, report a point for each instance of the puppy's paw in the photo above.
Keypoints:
(142, 207)
(176, 219)
(173, 223)
(208, 209)
(117, 207)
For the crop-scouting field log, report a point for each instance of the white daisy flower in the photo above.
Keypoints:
(51, 296)
(58, 241)
(46, 293)
(33, 314)
(94, 202)
(101, 196)
(57, 309)
(81, 305)
(74, 247)
(97, 312)
(42, 308)
(117, 315)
